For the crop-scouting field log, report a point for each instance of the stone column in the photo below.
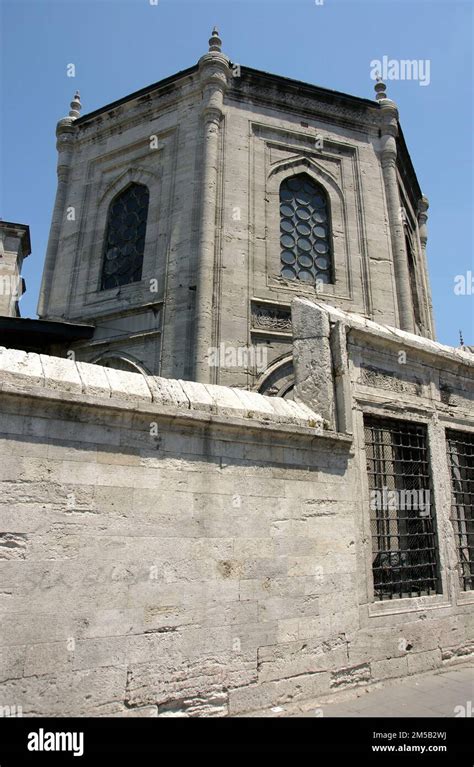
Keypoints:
(214, 73)
(423, 205)
(389, 130)
(65, 133)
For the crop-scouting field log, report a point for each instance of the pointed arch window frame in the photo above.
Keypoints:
(306, 239)
(266, 221)
(123, 235)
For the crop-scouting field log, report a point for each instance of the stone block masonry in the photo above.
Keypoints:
(171, 549)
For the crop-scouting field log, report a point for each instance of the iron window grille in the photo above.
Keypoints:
(125, 237)
(460, 448)
(402, 516)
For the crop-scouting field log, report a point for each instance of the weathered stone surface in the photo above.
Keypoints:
(60, 374)
(254, 697)
(392, 667)
(198, 395)
(127, 386)
(94, 380)
(15, 364)
(167, 392)
(424, 661)
(221, 568)
(80, 693)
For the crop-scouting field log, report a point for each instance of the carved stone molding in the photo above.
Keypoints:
(268, 317)
(381, 379)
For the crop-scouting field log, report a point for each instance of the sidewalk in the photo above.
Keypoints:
(435, 694)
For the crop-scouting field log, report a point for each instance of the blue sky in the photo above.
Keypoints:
(120, 46)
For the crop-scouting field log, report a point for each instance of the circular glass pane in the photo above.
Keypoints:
(305, 275)
(131, 219)
(110, 267)
(141, 229)
(322, 262)
(322, 277)
(128, 233)
(304, 244)
(111, 254)
(308, 187)
(303, 228)
(288, 257)
(303, 213)
(319, 231)
(303, 198)
(286, 210)
(294, 183)
(321, 247)
(319, 216)
(305, 260)
(128, 249)
(123, 265)
(318, 201)
(117, 209)
(286, 194)
(287, 225)
(288, 273)
(287, 241)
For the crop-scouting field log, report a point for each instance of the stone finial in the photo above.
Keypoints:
(380, 88)
(423, 205)
(215, 42)
(461, 339)
(76, 106)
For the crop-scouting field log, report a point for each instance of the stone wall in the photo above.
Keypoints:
(175, 548)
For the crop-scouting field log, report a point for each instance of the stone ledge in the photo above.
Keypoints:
(359, 325)
(58, 379)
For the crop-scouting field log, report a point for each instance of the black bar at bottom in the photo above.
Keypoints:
(32, 740)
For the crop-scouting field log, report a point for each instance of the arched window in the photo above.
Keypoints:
(305, 235)
(125, 237)
(118, 362)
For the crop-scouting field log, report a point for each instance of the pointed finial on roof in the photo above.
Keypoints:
(76, 106)
(461, 339)
(215, 42)
(380, 88)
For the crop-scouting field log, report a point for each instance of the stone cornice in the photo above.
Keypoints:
(361, 329)
(59, 380)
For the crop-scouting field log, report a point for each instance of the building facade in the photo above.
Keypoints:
(263, 493)
(190, 214)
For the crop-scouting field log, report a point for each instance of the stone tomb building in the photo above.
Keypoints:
(237, 467)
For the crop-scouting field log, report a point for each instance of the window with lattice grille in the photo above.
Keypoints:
(305, 231)
(460, 446)
(402, 514)
(125, 237)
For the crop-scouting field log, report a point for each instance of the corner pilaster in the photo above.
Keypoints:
(214, 76)
(389, 131)
(65, 132)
